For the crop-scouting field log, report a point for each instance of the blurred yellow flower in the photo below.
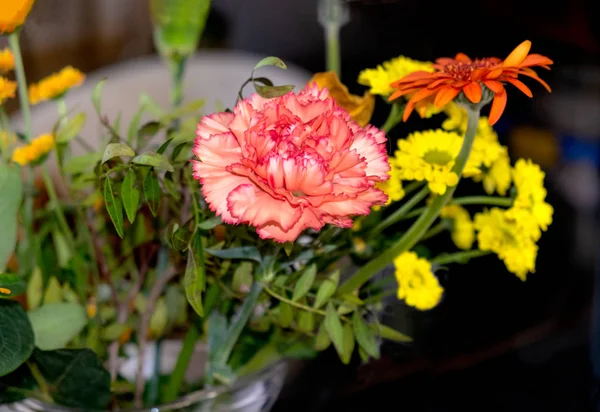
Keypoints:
(429, 155)
(379, 78)
(55, 85)
(33, 151)
(500, 233)
(7, 60)
(359, 108)
(5, 291)
(463, 230)
(7, 89)
(497, 177)
(417, 285)
(13, 14)
(393, 186)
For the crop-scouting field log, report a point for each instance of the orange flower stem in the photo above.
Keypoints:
(415, 233)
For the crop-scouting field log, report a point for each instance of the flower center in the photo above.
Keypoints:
(437, 157)
(462, 70)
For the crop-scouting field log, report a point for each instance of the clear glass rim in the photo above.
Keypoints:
(184, 401)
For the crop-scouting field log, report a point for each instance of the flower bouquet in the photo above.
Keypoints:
(243, 237)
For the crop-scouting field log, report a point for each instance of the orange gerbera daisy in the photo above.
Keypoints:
(477, 79)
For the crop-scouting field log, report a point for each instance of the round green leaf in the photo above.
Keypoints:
(16, 337)
(155, 160)
(71, 129)
(11, 285)
(56, 324)
(115, 150)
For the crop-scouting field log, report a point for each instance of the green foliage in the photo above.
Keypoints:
(12, 193)
(16, 336)
(56, 324)
(11, 285)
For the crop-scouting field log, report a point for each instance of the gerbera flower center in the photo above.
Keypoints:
(462, 70)
(437, 157)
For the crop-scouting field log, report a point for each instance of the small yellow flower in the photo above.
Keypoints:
(91, 309)
(7, 60)
(379, 78)
(417, 285)
(430, 156)
(463, 230)
(13, 14)
(498, 232)
(55, 85)
(359, 108)
(359, 245)
(33, 151)
(393, 186)
(7, 89)
(5, 291)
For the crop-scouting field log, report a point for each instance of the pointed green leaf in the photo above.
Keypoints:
(163, 147)
(16, 336)
(305, 282)
(117, 123)
(155, 160)
(53, 292)
(242, 277)
(35, 290)
(71, 129)
(333, 325)
(244, 252)
(135, 124)
(130, 195)
(10, 200)
(11, 285)
(152, 192)
(56, 324)
(391, 334)
(327, 289)
(210, 223)
(113, 331)
(271, 61)
(159, 319)
(147, 131)
(322, 340)
(178, 150)
(306, 321)
(346, 355)
(365, 336)
(286, 315)
(288, 247)
(195, 276)
(97, 96)
(79, 164)
(113, 207)
(115, 150)
(268, 92)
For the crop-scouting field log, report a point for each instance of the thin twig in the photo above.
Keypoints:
(155, 293)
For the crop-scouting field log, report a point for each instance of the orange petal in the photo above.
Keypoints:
(494, 73)
(535, 60)
(413, 76)
(408, 110)
(444, 61)
(462, 57)
(533, 75)
(521, 86)
(517, 56)
(473, 92)
(445, 96)
(494, 86)
(423, 93)
(399, 93)
(438, 82)
(498, 105)
(460, 84)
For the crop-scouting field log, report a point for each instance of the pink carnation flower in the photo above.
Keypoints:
(290, 163)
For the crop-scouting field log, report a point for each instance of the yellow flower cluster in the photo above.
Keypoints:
(7, 60)
(7, 89)
(463, 230)
(33, 151)
(429, 155)
(393, 186)
(417, 285)
(379, 78)
(55, 85)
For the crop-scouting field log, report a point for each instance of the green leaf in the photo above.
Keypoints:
(299, 349)
(346, 355)
(182, 111)
(130, 195)
(211, 223)
(79, 164)
(365, 336)
(56, 324)
(76, 376)
(117, 123)
(176, 305)
(135, 123)
(155, 160)
(271, 61)
(327, 289)
(268, 92)
(306, 321)
(10, 201)
(148, 131)
(97, 96)
(71, 129)
(163, 147)
(391, 334)
(244, 252)
(113, 331)
(53, 292)
(333, 325)
(16, 385)
(217, 333)
(322, 340)
(180, 238)
(16, 336)
(63, 251)
(305, 282)
(152, 192)
(177, 151)
(11, 285)
(114, 207)
(116, 149)
(242, 277)
(195, 276)
(288, 247)
(286, 315)
(35, 290)
(159, 319)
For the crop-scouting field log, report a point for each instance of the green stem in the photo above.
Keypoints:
(177, 66)
(393, 118)
(400, 212)
(39, 379)
(332, 33)
(380, 297)
(178, 374)
(4, 132)
(437, 229)
(60, 216)
(422, 224)
(483, 200)
(13, 40)
(62, 110)
(461, 257)
(294, 304)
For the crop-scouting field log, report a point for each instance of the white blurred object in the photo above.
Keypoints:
(578, 182)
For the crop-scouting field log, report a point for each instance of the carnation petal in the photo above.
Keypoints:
(308, 219)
